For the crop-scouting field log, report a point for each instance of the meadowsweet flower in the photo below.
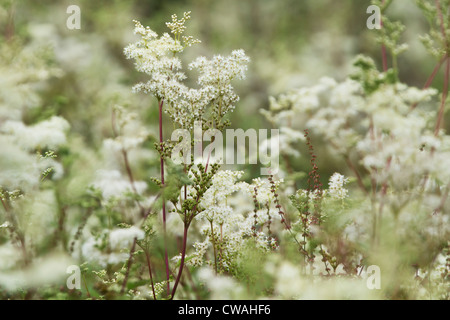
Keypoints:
(110, 247)
(10, 255)
(19, 169)
(23, 71)
(220, 287)
(123, 238)
(323, 108)
(263, 186)
(219, 214)
(157, 56)
(288, 281)
(227, 219)
(113, 184)
(220, 70)
(200, 249)
(51, 133)
(223, 184)
(336, 186)
(177, 27)
(90, 251)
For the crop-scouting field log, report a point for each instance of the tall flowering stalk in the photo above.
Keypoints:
(158, 57)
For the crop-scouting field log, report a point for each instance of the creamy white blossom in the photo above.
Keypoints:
(51, 133)
(124, 238)
(221, 287)
(157, 57)
(336, 186)
(113, 184)
(223, 184)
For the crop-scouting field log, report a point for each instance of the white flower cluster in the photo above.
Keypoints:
(226, 222)
(123, 238)
(23, 72)
(289, 280)
(223, 185)
(47, 134)
(118, 243)
(22, 168)
(335, 190)
(221, 287)
(196, 259)
(19, 167)
(230, 220)
(438, 276)
(216, 76)
(157, 57)
(336, 186)
(264, 195)
(113, 184)
(340, 112)
(177, 27)
(323, 108)
(381, 128)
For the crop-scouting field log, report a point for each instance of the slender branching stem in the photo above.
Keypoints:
(357, 175)
(183, 255)
(86, 286)
(127, 164)
(213, 239)
(130, 262)
(14, 230)
(435, 71)
(149, 265)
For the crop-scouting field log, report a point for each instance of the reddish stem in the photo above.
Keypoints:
(183, 255)
(127, 163)
(130, 261)
(9, 30)
(431, 78)
(19, 235)
(433, 74)
(441, 18)
(147, 256)
(358, 176)
(166, 256)
(384, 55)
(384, 189)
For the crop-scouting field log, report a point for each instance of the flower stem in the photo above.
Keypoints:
(147, 256)
(183, 255)
(130, 261)
(166, 256)
(431, 77)
(435, 71)
(15, 230)
(127, 164)
(214, 245)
